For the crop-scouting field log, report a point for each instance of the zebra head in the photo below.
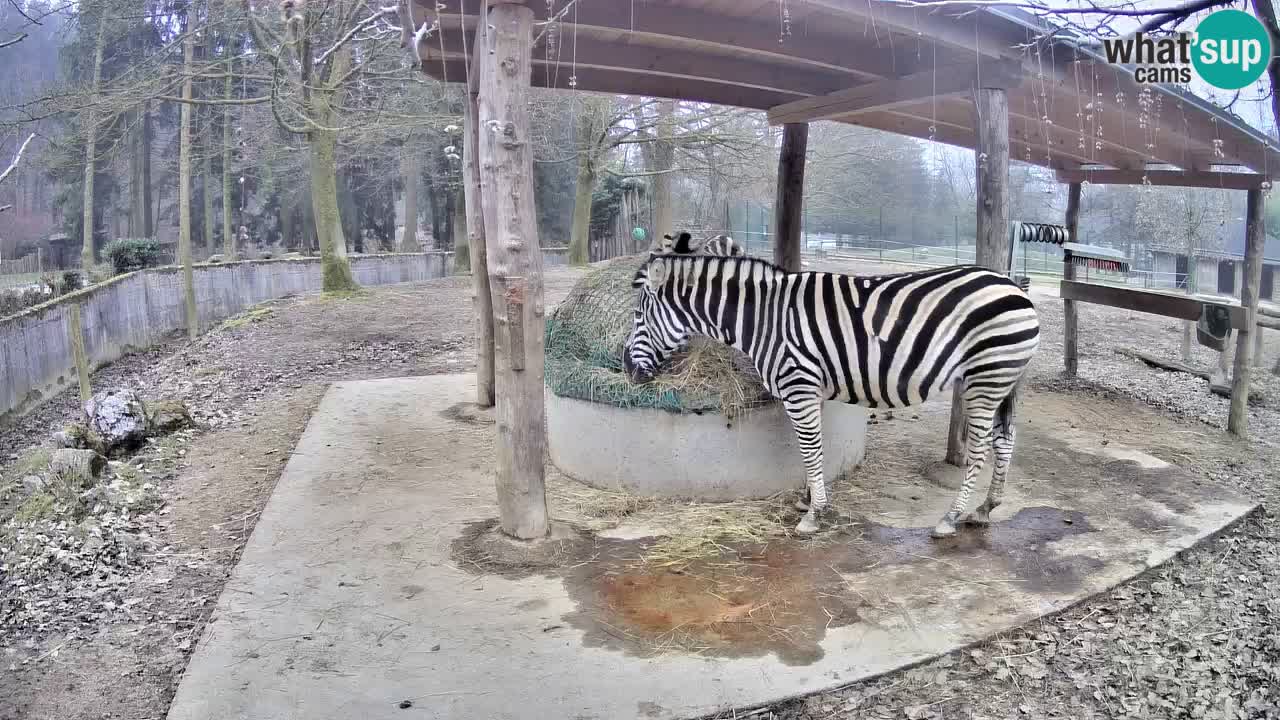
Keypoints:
(657, 331)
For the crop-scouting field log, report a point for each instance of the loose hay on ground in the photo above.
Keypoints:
(685, 531)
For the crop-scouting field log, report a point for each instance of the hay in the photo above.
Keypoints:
(584, 340)
(687, 532)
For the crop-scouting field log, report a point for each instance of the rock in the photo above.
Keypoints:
(32, 484)
(119, 418)
(77, 468)
(166, 416)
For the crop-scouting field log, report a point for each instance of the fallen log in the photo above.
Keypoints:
(1255, 397)
(1163, 364)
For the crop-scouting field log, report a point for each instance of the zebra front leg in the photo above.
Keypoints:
(806, 417)
(977, 444)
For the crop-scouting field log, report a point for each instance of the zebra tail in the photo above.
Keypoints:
(1005, 413)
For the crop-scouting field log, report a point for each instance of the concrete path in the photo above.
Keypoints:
(358, 597)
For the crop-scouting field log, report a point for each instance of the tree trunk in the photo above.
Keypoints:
(148, 216)
(87, 252)
(1070, 311)
(664, 154)
(229, 249)
(461, 246)
(590, 128)
(1267, 13)
(515, 271)
(450, 209)
(409, 172)
(580, 233)
(324, 208)
(184, 192)
(135, 177)
(482, 299)
(206, 186)
(1251, 280)
(789, 204)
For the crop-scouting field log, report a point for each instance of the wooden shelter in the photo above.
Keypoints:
(996, 80)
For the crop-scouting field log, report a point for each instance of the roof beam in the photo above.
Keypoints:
(620, 82)
(1169, 178)
(896, 92)
(956, 134)
(695, 27)
(958, 27)
(626, 55)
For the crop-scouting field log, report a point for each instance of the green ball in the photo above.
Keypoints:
(639, 234)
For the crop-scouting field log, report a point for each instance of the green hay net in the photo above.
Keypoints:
(584, 342)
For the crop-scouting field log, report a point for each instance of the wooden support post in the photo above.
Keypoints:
(991, 107)
(1070, 312)
(1255, 238)
(790, 199)
(75, 335)
(482, 299)
(515, 268)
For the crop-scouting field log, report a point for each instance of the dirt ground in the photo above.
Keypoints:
(1197, 638)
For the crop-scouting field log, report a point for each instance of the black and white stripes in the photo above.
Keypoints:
(882, 342)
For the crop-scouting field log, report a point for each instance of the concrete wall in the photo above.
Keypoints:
(664, 454)
(139, 309)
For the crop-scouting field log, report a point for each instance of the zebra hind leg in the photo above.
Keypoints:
(977, 444)
(1004, 441)
(806, 417)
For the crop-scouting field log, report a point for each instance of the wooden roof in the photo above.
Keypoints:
(905, 70)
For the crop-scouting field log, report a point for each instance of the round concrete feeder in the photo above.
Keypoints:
(698, 456)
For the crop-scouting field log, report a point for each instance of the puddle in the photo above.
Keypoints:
(781, 597)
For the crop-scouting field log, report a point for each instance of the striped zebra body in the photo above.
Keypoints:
(882, 342)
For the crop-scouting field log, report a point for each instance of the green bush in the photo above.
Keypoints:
(129, 254)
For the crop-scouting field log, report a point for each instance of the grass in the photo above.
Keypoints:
(33, 462)
(36, 507)
(356, 293)
(253, 315)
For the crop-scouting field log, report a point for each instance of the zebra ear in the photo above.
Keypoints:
(658, 270)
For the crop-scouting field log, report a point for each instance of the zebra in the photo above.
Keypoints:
(877, 341)
(683, 245)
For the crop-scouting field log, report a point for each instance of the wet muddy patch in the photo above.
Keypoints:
(779, 597)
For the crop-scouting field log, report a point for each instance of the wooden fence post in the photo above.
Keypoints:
(75, 335)
(482, 302)
(515, 268)
(1070, 312)
(790, 198)
(1255, 238)
(991, 106)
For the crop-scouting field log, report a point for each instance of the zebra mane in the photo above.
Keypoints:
(643, 272)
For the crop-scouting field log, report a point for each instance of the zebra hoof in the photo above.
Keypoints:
(978, 517)
(944, 529)
(808, 524)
